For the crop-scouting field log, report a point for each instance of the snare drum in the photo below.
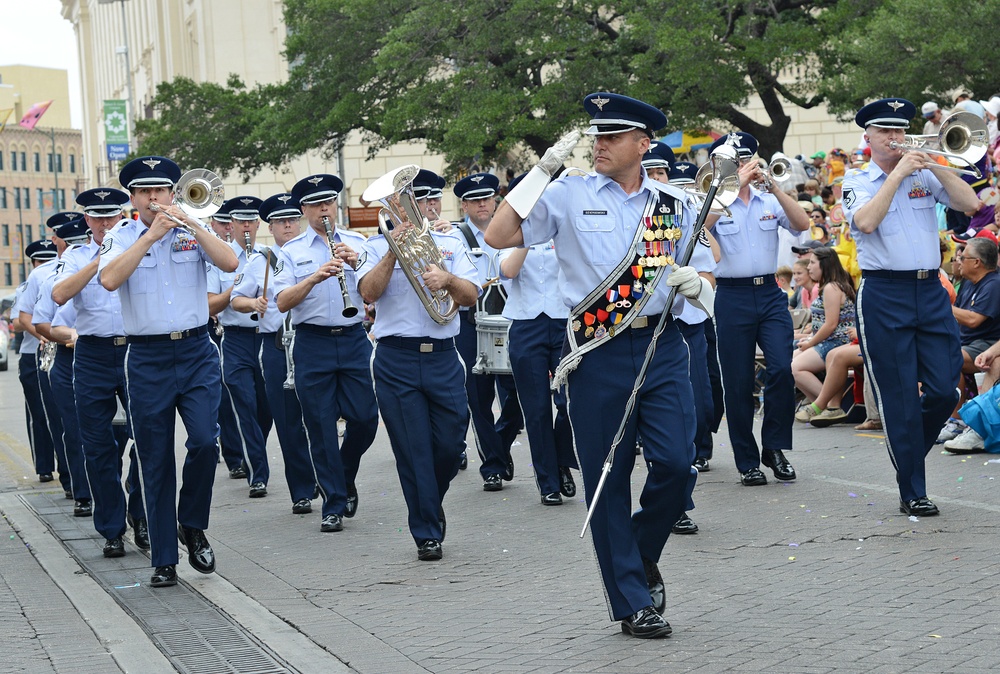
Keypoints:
(491, 345)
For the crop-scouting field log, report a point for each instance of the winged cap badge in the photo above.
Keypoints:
(102, 195)
(284, 198)
(734, 139)
(315, 181)
(246, 202)
(151, 163)
(600, 102)
(682, 168)
(895, 105)
(477, 179)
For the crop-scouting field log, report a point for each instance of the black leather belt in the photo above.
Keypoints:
(421, 344)
(169, 337)
(746, 281)
(239, 328)
(103, 341)
(908, 275)
(333, 330)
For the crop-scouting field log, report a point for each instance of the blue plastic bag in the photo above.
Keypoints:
(982, 414)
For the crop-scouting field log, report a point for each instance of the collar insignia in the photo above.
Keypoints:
(895, 105)
(151, 163)
(600, 102)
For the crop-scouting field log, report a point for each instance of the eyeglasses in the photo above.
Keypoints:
(967, 257)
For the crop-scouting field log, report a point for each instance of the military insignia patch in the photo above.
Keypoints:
(236, 281)
(848, 197)
(362, 257)
(106, 246)
(279, 267)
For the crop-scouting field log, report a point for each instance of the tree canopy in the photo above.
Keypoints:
(483, 80)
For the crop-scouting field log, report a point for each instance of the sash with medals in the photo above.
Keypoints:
(620, 297)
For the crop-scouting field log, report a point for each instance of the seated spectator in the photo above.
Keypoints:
(784, 278)
(839, 362)
(828, 197)
(832, 316)
(969, 440)
(812, 189)
(977, 307)
(806, 290)
(932, 113)
(818, 217)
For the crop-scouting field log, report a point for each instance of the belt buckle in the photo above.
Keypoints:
(119, 341)
(640, 322)
(336, 331)
(758, 280)
(426, 348)
(177, 334)
(923, 273)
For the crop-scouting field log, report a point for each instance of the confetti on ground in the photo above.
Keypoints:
(934, 636)
(791, 559)
(992, 461)
(793, 545)
(852, 494)
(960, 479)
(125, 587)
(914, 518)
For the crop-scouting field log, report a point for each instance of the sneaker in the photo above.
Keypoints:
(952, 429)
(966, 443)
(828, 417)
(869, 425)
(806, 413)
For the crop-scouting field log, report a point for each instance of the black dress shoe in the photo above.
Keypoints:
(776, 461)
(332, 523)
(508, 466)
(701, 465)
(164, 576)
(685, 525)
(555, 498)
(753, 478)
(45, 477)
(463, 461)
(68, 494)
(302, 506)
(443, 522)
(114, 547)
(140, 532)
(429, 551)
(654, 580)
(493, 483)
(922, 506)
(646, 624)
(200, 553)
(566, 484)
(258, 490)
(315, 492)
(352, 501)
(238, 473)
(82, 507)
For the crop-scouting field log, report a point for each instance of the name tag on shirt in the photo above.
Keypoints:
(595, 212)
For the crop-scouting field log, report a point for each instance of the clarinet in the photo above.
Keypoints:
(349, 309)
(247, 244)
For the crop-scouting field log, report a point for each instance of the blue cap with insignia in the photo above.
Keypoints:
(316, 189)
(74, 231)
(659, 156)
(41, 250)
(279, 206)
(744, 144)
(614, 113)
(242, 208)
(887, 113)
(102, 202)
(62, 218)
(428, 185)
(682, 173)
(149, 172)
(477, 186)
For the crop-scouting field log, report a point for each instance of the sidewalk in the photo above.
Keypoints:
(819, 575)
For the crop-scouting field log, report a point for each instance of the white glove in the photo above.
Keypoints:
(686, 280)
(556, 156)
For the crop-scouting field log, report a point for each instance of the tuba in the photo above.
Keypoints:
(199, 193)
(416, 249)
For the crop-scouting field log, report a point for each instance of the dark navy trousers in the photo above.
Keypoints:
(39, 439)
(243, 380)
(714, 377)
(332, 380)
(493, 437)
(98, 380)
(909, 336)
(287, 413)
(423, 404)
(664, 416)
(165, 378)
(61, 383)
(745, 316)
(704, 407)
(229, 437)
(534, 346)
(53, 420)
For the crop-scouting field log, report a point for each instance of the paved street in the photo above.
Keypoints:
(820, 575)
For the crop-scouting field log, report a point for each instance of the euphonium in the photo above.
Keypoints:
(415, 249)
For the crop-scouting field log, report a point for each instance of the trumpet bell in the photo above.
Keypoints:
(199, 193)
(780, 168)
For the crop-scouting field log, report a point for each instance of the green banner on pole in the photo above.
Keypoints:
(115, 122)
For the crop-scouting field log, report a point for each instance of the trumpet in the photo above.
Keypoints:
(349, 309)
(199, 193)
(962, 140)
(778, 171)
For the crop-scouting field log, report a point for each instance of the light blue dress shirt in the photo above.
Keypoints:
(98, 311)
(66, 316)
(29, 298)
(749, 239)
(250, 284)
(535, 289)
(220, 281)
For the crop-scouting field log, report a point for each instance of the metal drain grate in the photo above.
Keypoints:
(195, 636)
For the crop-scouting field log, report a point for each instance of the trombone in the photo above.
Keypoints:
(962, 140)
(199, 193)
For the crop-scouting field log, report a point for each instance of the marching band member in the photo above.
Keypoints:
(493, 439)
(241, 342)
(615, 232)
(907, 332)
(171, 365)
(99, 375)
(428, 192)
(331, 350)
(284, 222)
(418, 377)
(39, 438)
(753, 310)
(534, 344)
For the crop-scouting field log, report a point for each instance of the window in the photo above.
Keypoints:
(59, 163)
(72, 164)
(40, 198)
(48, 161)
(62, 200)
(27, 234)
(17, 198)
(6, 273)
(1, 161)
(3, 198)
(24, 161)
(13, 160)
(38, 162)
(6, 235)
